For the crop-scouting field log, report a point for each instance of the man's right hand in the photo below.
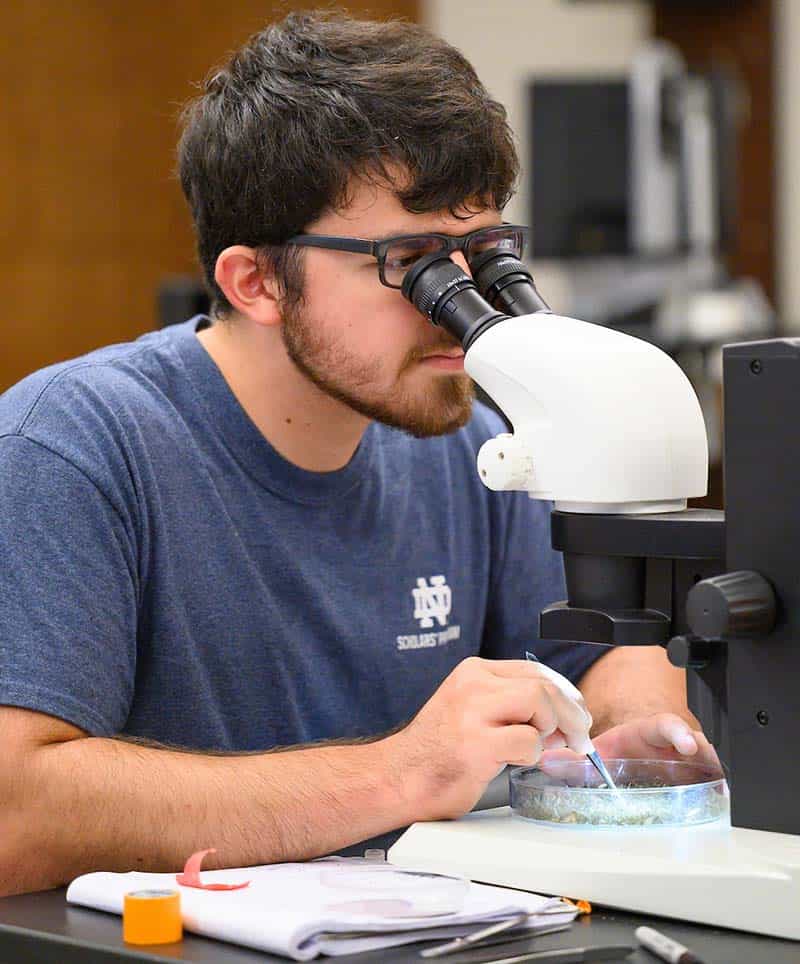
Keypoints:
(486, 714)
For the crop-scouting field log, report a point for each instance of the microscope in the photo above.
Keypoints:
(609, 429)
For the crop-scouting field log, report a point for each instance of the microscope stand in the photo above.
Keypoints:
(711, 874)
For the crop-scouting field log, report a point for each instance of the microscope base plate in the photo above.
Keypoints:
(710, 874)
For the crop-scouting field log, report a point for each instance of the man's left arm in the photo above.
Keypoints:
(638, 702)
(629, 682)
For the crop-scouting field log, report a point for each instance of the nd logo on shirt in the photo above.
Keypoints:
(433, 600)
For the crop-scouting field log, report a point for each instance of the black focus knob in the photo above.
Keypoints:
(735, 605)
(688, 652)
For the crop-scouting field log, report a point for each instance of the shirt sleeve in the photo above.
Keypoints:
(68, 592)
(527, 575)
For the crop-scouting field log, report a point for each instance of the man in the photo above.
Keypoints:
(240, 537)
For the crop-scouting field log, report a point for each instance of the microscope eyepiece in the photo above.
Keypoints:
(506, 283)
(431, 280)
(438, 288)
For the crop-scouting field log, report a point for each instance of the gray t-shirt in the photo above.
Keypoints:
(165, 573)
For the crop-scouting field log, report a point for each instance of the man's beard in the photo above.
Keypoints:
(445, 407)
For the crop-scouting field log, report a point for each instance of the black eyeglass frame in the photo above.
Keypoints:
(379, 249)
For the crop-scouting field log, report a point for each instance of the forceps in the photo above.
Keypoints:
(593, 756)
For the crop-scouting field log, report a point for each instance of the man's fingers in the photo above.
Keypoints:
(668, 730)
(571, 717)
(525, 701)
(569, 691)
(705, 751)
(512, 668)
(555, 741)
(530, 692)
(519, 745)
(574, 720)
(528, 669)
(562, 754)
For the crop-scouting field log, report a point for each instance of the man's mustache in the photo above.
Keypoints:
(419, 353)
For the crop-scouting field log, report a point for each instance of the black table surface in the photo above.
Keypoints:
(43, 929)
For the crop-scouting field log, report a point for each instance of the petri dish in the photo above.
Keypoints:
(388, 891)
(650, 793)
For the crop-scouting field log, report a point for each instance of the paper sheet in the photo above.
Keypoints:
(300, 909)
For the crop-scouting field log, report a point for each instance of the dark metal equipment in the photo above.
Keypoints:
(721, 591)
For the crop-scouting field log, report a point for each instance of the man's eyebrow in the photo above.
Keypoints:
(403, 234)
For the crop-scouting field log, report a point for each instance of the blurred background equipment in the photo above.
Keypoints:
(634, 186)
(180, 297)
(634, 199)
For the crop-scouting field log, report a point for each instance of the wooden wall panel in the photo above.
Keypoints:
(740, 34)
(92, 217)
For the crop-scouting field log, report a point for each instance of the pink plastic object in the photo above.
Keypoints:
(191, 874)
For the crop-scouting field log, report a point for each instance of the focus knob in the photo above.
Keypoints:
(690, 653)
(735, 605)
(506, 462)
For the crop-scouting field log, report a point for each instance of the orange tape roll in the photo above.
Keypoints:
(152, 917)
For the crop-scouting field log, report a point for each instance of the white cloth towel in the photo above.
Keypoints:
(333, 906)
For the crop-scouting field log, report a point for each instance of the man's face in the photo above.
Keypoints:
(363, 343)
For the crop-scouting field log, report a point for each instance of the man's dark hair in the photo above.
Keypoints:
(281, 129)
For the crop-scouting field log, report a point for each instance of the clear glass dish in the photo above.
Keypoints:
(651, 793)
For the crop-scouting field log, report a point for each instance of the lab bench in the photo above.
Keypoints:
(43, 929)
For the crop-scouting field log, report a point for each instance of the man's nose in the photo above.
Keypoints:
(461, 261)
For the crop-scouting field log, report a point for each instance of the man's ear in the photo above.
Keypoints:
(245, 285)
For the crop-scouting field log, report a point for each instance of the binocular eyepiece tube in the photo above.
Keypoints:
(466, 307)
(506, 283)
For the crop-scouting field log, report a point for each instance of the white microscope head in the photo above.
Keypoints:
(603, 422)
